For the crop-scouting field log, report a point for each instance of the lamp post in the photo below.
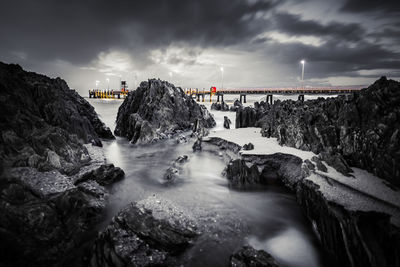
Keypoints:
(303, 62)
(222, 77)
(108, 84)
(97, 85)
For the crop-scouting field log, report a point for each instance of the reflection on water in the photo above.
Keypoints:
(267, 219)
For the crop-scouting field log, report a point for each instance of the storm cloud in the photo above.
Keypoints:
(188, 41)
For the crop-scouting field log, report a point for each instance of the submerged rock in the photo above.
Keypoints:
(157, 110)
(359, 130)
(152, 232)
(250, 257)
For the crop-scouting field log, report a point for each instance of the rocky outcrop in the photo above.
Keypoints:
(250, 257)
(152, 232)
(44, 123)
(360, 130)
(250, 170)
(220, 106)
(104, 175)
(45, 216)
(158, 110)
(172, 173)
(236, 105)
(355, 227)
(353, 238)
(46, 209)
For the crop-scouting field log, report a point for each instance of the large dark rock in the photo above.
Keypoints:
(250, 257)
(44, 127)
(352, 237)
(362, 128)
(220, 106)
(240, 175)
(44, 216)
(158, 110)
(106, 174)
(150, 233)
(44, 123)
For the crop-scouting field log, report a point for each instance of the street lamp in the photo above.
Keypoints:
(222, 77)
(108, 84)
(97, 85)
(303, 62)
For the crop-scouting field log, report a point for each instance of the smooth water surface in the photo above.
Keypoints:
(268, 218)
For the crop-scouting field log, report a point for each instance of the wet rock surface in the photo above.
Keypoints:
(158, 110)
(359, 130)
(250, 257)
(45, 128)
(152, 232)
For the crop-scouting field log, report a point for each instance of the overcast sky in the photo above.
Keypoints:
(258, 43)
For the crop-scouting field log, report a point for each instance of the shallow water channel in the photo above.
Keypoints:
(268, 218)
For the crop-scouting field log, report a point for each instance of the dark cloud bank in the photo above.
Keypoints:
(77, 31)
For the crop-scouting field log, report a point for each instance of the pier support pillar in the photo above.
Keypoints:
(222, 97)
(244, 98)
(269, 99)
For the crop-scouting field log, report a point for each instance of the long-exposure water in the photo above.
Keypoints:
(268, 218)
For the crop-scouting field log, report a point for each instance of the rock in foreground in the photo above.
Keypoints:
(149, 233)
(45, 128)
(157, 110)
(250, 257)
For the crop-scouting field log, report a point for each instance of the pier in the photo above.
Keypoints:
(200, 94)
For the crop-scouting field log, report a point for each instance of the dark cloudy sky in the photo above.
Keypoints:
(258, 43)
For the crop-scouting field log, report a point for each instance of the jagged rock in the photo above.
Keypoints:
(44, 122)
(227, 122)
(240, 175)
(220, 106)
(106, 174)
(362, 128)
(157, 110)
(44, 127)
(248, 146)
(336, 161)
(236, 105)
(149, 233)
(320, 165)
(353, 237)
(44, 216)
(266, 132)
(250, 257)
